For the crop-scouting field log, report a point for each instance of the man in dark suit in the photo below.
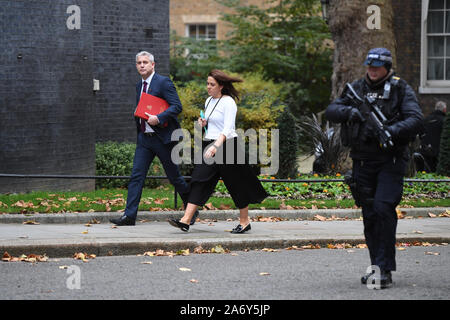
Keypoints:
(431, 140)
(153, 138)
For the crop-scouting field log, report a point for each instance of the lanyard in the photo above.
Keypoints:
(206, 127)
(212, 109)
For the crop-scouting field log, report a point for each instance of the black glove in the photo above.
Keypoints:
(355, 116)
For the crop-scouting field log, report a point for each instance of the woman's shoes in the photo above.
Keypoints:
(185, 227)
(177, 224)
(241, 229)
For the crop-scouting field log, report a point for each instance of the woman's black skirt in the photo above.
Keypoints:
(229, 165)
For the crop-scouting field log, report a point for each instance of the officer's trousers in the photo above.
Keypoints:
(380, 183)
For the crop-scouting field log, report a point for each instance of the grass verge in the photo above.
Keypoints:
(162, 198)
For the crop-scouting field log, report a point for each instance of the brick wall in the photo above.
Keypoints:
(50, 118)
(121, 30)
(183, 12)
(46, 123)
(407, 29)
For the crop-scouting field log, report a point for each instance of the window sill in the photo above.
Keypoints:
(434, 90)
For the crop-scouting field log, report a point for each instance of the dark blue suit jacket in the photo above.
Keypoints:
(163, 88)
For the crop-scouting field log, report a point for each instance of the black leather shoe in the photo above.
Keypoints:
(384, 279)
(177, 224)
(240, 229)
(365, 277)
(194, 218)
(123, 221)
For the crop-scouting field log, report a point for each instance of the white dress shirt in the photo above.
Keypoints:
(148, 80)
(222, 119)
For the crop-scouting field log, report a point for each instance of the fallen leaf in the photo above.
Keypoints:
(264, 274)
(6, 256)
(160, 201)
(83, 256)
(283, 206)
(401, 249)
(200, 249)
(417, 231)
(184, 269)
(147, 262)
(193, 281)
(218, 249)
(85, 232)
(294, 248)
(23, 204)
(268, 219)
(431, 215)
(183, 252)
(400, 214)
(209, 206)
(319, 217)
(432, 253)
(311, 246)
(30, 222)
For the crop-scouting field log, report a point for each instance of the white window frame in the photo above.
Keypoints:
(428, 86)
(188, 25)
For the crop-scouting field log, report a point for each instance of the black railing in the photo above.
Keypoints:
(61, 176)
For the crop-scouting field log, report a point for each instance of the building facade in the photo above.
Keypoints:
(51, 114)
(200, 19)
(421, 29)
(422, 32)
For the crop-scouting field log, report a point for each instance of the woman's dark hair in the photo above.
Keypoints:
(227, 82)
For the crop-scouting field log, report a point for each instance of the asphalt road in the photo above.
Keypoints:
(254, 275)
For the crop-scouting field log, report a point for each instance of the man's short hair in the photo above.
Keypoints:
(145, 53)
(441, 106)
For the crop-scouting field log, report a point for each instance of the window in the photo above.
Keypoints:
(201, 31)
(435, 69)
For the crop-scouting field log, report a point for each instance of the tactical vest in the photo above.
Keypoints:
(388, 95)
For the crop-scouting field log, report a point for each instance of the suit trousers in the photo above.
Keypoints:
(147, 148)
(382, 181)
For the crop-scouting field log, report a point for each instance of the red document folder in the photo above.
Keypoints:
(152, 105)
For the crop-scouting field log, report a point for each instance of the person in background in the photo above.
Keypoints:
(431, 141)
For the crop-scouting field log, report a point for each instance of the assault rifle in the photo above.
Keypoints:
(376, 118)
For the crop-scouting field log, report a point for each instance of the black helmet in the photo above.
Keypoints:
(379, 57)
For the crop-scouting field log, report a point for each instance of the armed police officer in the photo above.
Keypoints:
(379, 115)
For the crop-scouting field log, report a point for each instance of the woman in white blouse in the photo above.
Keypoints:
(242, 184)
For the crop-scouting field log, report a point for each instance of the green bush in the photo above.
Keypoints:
(259, 106)
(116, 159)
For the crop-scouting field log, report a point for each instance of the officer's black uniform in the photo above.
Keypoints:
(379, 173)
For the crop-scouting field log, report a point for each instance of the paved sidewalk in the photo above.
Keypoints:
(63, 239)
